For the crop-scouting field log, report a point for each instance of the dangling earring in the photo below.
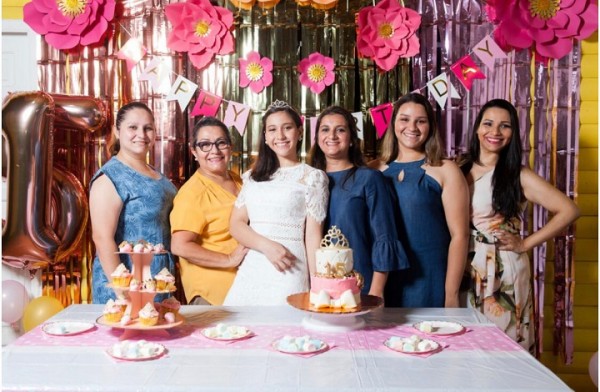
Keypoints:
(300, 139)
(351, 144)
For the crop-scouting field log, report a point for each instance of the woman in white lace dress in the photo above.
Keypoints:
(279, 215)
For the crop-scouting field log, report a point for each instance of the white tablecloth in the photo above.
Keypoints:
(67, 367)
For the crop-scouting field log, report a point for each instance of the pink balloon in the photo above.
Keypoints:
(14, 300)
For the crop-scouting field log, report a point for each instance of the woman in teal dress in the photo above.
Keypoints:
(433, 203)
(360, 204)
(129, 200)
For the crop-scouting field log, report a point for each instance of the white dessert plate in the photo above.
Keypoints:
(66, 328)
(242, 333)
(321, 347)
(155, 351)
(434, 347)
(440, 327)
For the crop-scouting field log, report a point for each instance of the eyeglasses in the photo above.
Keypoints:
(207, 146)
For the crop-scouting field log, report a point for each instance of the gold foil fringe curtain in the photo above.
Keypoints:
(288, 33)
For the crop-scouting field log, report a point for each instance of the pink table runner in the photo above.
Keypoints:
(487, 338)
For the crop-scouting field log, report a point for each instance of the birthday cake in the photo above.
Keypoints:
(335, 283)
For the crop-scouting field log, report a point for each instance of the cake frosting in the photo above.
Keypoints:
(112, 312)
(164, 280)
(121, 276)
(335, 283)
(148, 315)
(140, 246)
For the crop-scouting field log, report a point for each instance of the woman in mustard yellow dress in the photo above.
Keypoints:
(208, 254)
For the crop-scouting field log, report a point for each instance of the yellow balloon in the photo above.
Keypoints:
(39, 310)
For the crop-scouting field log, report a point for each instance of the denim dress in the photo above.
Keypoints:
(147, 203)
(425, 235)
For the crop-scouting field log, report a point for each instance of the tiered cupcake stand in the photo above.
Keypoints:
(138, 299)
(334, 319)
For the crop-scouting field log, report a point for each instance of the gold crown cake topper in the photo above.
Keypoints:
(334, 239)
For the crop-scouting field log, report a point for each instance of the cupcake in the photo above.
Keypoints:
(113, 312)
(135, 285)
(122, 302)
(159, 248)
(148, 316)
(125, 246)
(139, 247)
(164, 280)
(121, 276)
(149, 285)
(169, 305)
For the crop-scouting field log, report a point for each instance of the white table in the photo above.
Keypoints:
(189, 367)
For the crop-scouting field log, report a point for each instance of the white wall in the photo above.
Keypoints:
(19, 73)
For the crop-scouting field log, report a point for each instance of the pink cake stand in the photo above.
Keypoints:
(334, 320)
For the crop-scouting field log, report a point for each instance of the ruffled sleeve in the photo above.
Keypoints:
(388, 253)
(317, 194)
(241, 198)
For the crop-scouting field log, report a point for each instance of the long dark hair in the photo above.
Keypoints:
(433, 148)
(355, 156)
(267, 162)
(114, 145)
(507, 194)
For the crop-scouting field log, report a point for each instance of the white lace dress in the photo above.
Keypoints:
(277, 209)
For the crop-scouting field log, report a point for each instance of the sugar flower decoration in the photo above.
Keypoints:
(66, 24)
(386, 32)
(546, 26)
(316, 72)
(256, 72)
(200, 29)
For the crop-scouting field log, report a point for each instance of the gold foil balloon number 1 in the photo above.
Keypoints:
(38, 231)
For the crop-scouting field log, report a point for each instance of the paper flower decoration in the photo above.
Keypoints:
(316, 72)
(546, 26)
(66, 24)
(386, 32)
(256, 72)
(200, 29)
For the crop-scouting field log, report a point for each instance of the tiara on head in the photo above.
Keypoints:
(279, 104)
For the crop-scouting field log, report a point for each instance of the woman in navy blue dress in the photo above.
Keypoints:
(129, 200)
(433, 199)
(361, 203)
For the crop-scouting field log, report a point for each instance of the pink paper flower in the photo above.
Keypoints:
(256, 72)
(68, 23)
(546, 26)
(316, 72)
(386, 32)
(200, 29)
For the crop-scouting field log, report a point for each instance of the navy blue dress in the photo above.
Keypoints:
(362, 208)
(147, 204)
(425, 235)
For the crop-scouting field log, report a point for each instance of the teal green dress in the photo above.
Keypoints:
(425, 236)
